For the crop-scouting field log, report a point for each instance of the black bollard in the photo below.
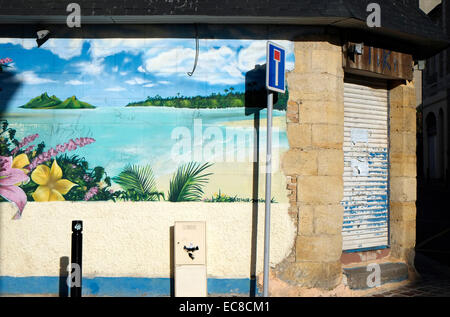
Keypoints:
(76, 259)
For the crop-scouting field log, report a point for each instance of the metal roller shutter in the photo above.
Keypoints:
(366, 165)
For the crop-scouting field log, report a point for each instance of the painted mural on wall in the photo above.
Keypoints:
(121, 120)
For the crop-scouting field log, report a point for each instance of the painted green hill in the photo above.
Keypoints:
(42, 101)
(74, 103)
(45, 102)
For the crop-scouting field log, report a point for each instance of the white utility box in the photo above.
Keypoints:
(190, 259)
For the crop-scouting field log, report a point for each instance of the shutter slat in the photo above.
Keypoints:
(366, 195)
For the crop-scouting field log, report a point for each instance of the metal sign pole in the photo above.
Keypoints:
(268, 192)
(275, 81)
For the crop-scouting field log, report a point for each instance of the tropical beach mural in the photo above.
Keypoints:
(121, 120)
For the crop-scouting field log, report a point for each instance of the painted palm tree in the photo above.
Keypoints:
(140, 181)
(187, 183)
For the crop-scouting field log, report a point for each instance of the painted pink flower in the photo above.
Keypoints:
(27, 140)
(91, 193)
(29, 149)
(60, 148)
(9, 178)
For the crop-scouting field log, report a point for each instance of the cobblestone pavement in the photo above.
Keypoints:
(426, 287)
(434, 281)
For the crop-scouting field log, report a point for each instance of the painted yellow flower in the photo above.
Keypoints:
(51, 185)
(20, 161)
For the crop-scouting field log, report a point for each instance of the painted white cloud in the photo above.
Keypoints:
(137, 81)
(220, 61)
(114, 89)
(215, 65)
(93, 68)
(25, 43)
(31, 78)
(252, 55)
(101, 48)
(76, 82)
(64, 48)
(255, 54)
(168, 61)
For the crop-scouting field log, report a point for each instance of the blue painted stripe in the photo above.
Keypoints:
(367, 249)
(233, 286)
(29, 285)
(126, 286)
(118, 286)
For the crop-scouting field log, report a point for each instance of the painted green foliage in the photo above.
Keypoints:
(230, 99)
(139, 183)
(223, 198)
(94, 184)
(187, 184)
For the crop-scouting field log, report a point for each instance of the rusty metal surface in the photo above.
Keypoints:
(377, 61)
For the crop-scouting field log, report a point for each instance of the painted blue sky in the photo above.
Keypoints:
(114, 72)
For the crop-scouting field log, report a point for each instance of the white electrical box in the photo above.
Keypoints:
(190, 259)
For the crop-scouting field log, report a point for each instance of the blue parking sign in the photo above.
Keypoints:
(276, 68)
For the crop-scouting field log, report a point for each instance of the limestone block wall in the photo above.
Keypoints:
(315, 163)
(403, 171)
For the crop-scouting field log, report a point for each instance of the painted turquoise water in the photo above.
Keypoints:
(132, 135)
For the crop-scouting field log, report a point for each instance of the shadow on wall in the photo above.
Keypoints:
(255, 102)
(63, 274)
(8, 88)
(172, 261)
